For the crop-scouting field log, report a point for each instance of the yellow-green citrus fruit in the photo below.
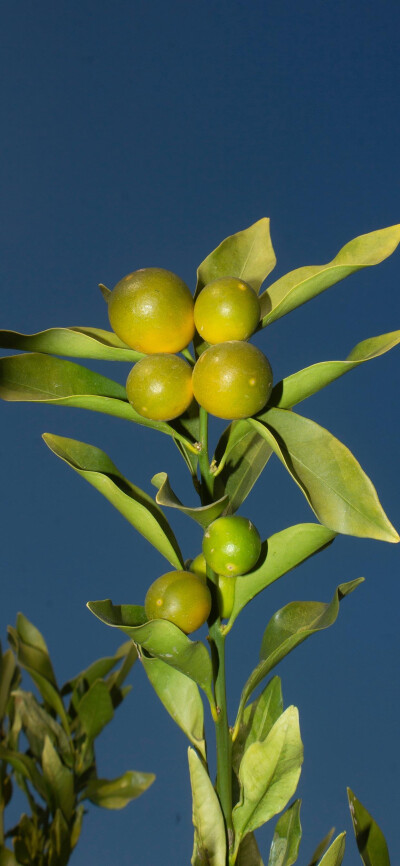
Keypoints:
(226, 595)
(232, 380)
(231, 545)
(226, 309)
(159, 387)
(151, 310)
(199, 566)
(180, 597)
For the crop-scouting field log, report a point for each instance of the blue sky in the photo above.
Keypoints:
(141, 134)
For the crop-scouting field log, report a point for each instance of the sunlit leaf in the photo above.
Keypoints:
(9, 678)
(321, 848)
(299, 286)
(208, 820)
(287, 837)
(203, 514)
(134, 504)
(95, 709)
(181, 699)
(240, 456)
(247, 254)
(73, 343)
(335, 853)
(38, 724)
(371, 842)
(117, 793)
(59, 778)
(333, 482)
(257, 720)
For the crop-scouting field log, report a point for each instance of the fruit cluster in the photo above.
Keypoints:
(153, 312)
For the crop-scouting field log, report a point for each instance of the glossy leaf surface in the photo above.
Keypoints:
(293, 389)
(333, 482)
(117, 793)
(247, 254)
(72, 342)
(241, 456)
(282, 552)
(371, 842)
(335, 853)
(287, 837)
(208, 820)
(302, 284)
(204, 514)
(134, 504)
(181, 699)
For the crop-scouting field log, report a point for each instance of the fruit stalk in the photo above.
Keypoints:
(207, 478)
(222, 734)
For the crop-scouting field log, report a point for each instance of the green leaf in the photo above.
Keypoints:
(161, 639)
(204, 514)
(279, 554)
(306, 382)
(77, 826)
(248, 254)
(288, 628)
(299, 286)
(370, 840)
(72, 342)
(335, 853)
(248, 854)
(257, 720)
(137, 507)
(60, 846)
(321, 848)
(117, 793)
(241, 456)
(9, 677)
(105, 292)
(181, 699)
(95, 709)
(208, 821)
(7, 857)
(333, 482)
(26, 767)
(39, 724)
(287, 837)
(59, 779)
(269, 774)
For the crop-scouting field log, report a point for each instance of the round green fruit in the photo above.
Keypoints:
(226, 309)
(231, 545)
(159, 387)
(181, 598)
(232, 380)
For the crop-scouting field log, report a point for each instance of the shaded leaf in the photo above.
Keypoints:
(241, 456)
(247, 254)
(269, 774)
(134, 504)
(77, 826)
(9, 677)
(257, 720)
(39, 724)
(7, 857)
(370, 840)
(248, 854)
(297, 387)
(333, 482)
(287, 837)
(117, 793)
(203, 514)
(59, 779)
(302, 284)
(95, 709)
(26, 767)
(321, 848)
(60, 847)
(282, 552)
(208, 819)
(181, 699)
(72, 342)
(335, 853)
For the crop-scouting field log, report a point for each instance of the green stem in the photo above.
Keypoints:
(223, 738)
(207, 478)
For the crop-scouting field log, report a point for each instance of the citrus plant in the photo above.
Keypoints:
(153, 316)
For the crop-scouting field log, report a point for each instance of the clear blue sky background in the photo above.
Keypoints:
(143, 133)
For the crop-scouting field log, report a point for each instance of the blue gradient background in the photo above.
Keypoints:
(143, 133)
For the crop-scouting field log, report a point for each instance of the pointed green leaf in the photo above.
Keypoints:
(77, 826)
(299, 286)
(241, 456)
(208, 820)
(333, 482)
(370, 840)
(59, 779)
(181, 699)
(72, 342)
(105, 292)
(95, 709)
(257, 720)
(287, 837)
(203, 514)
(335, 853)
(117, 793)
(161, 639)
(249, 854)
(137, 507)
(279, 554)
(321, 848)
(7, 857)
(248, 254)
(60, 846)
(26, 767)
(38, 724)
(269, 774)
(288, 628)
(9, 677)
(306, 382)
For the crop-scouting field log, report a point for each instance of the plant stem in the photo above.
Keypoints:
(207, 478)
(223, 738)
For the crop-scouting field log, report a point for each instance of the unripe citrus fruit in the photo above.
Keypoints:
(225, 586)
(226, 309)
(151, 310)
(159, 387)
(179, 597)
(199, 566)
(231, 545)
(232, 380)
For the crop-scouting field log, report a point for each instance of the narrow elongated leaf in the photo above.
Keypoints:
(269, 774)
(257, 720)
(321, 848)
(60, 847)
(181, 699)
(241, 456)
(72, 342)
(335, 852)
(288, 628)
(333, 482)
(303, 384)
(247, 254)
(137, 507)
(161, 639)
(249, 854)
(287, 837)
(279, 554)
(370, 840)
(59, 779)
(95, 709)
(26, 767)
(9, 677)
(208, 820)
(203, 514)
(299, 286)
(39, 724)
(117, 793)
